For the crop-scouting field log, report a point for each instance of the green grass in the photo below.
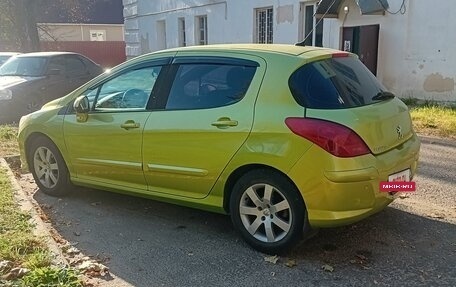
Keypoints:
(8, 141)
(20, 246)
(434, 120)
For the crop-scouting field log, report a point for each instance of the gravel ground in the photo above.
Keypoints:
(147, 243)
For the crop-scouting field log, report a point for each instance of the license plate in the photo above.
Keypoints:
(400, 176)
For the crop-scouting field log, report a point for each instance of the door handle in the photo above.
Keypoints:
(224, 123)
(129, 125)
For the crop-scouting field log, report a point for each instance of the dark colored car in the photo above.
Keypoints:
(28, 81)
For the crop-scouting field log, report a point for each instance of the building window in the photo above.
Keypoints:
(161, 34)
(264, 18)
(182, 36)
(311, 28)
(97, 35)
(201, 30)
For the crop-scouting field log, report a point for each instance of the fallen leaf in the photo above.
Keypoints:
(272, 274)
(291, 263)
(271, 259)
(72, 251)
(77, 233)
(5, 266)
(16, 273)
(92, 268)
(403, 196)
(95, 203)
(327, 268)
(362, 257)
(437, 216)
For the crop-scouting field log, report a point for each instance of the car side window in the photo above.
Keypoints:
(75, 67)
(203, 86)
(128, 91)
(57, 63)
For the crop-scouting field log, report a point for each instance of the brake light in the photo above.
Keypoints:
(339, 55)
(336, 139)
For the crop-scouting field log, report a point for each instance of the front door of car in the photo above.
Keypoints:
(107, 148)
(206, 117)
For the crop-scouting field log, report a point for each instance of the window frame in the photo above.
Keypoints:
(181, 26)
(268, 25)
(153, 97)
(203, 60)
(199, 29)
(303, 21)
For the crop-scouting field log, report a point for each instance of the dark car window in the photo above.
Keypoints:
(75, 67)
(24, 66)
(335, 83)
(57, 63)
(130, 90)
(199, 86)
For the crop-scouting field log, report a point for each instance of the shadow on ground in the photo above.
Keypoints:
(148, 243)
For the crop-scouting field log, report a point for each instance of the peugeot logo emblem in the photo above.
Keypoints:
(399, 132)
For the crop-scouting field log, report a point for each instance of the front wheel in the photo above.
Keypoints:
(268, 211)
(48, 167)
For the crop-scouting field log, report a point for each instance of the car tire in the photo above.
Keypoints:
(48, 167)
(268, 210)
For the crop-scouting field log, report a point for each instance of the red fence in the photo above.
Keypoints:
(106, 53)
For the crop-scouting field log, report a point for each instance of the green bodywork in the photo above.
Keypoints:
(180, 157)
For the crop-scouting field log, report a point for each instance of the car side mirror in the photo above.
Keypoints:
(54, 72)
(82, 107)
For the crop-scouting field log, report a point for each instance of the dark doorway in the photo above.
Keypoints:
(363, 41)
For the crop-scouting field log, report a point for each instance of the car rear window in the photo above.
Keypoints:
(335, 83)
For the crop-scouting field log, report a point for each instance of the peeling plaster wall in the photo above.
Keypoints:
(416, 50)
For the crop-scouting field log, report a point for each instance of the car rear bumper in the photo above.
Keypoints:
(340, 191)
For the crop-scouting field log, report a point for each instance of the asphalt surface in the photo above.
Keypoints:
(147, 243)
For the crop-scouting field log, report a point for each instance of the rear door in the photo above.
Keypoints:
(206, 114)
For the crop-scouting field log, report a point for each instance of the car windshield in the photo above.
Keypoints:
(23, 66)
(3, 59)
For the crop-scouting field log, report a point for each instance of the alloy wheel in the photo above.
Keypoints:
(46, 167)
(265, 213)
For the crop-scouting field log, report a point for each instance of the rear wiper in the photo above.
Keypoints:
(383, 96)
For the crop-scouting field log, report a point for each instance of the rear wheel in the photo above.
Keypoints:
(267, 209)
(48, 167)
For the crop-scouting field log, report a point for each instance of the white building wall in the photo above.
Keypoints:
(230, 21)
(415, 53)
(416, 56)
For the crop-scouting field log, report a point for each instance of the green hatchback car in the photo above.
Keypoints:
(281, 137)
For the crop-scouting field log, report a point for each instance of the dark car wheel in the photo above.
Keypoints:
(48, 167)
(268, 211)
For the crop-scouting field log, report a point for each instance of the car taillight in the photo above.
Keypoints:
(336, 139)
(340, 55)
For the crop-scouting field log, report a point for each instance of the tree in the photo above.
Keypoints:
(18, 20)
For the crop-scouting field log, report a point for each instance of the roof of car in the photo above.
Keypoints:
(273, 48)
(8, 53)
(45, 54)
